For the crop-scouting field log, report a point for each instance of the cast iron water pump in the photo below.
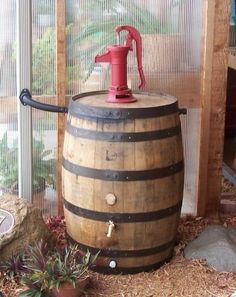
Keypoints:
(116, 55)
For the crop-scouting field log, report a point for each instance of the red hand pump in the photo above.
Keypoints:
(116, 55)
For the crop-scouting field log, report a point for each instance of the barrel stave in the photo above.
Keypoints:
(121, 166)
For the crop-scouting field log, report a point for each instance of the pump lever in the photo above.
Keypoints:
(128, 41)
(134, 35)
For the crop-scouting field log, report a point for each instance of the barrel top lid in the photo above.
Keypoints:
(144, 100)
(94, 105)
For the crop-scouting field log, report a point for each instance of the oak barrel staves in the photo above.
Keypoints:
(123, 163)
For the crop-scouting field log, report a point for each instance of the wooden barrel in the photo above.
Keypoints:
(123, 179)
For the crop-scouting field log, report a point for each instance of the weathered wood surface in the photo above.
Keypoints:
(60, 87)
(213, 106)
(132, 197)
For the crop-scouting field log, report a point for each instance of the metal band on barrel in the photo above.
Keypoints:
(129, 270)
(122, 137)
(122, 217)
(123, 253)
(116, 175)
(80, 110)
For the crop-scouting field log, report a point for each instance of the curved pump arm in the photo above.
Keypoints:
(26, 99)
(134, 35)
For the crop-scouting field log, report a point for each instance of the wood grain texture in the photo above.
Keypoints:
(60, 89)
(218, 104)
(213, 106)
(209, 9)
(132, 197)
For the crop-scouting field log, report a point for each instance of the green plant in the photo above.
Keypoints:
(13, 267)
(68, 266)
(34, 290)
(35, 276)
(8, 164)
(46, 270)
(43, 165)
(43, 52)
(43, 63)
(16, 269)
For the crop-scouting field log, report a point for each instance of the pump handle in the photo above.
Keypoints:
(134, 35)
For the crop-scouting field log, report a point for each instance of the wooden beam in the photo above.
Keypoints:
(60, 89)
(205, 104)
(218, 106)
(213, 106)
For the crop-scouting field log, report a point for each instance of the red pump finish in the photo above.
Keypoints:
(116, 55)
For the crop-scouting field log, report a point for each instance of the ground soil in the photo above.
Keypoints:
(180, 277)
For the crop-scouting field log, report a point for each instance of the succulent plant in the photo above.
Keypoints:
(13, 267)
(68, 266)
(42, 269)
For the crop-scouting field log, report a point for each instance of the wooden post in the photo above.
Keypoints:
(60, 89)
(213, 107)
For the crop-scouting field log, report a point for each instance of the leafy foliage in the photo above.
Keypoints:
(44, 59)
(68, 266)
(46, 270)
(8, 164)
(13, 267)
(42, 269)
(43, 165)
(35, 277)
(43, 53)
(35, 287)
(33, 292)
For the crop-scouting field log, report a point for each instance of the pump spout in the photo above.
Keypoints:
(106, 57)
